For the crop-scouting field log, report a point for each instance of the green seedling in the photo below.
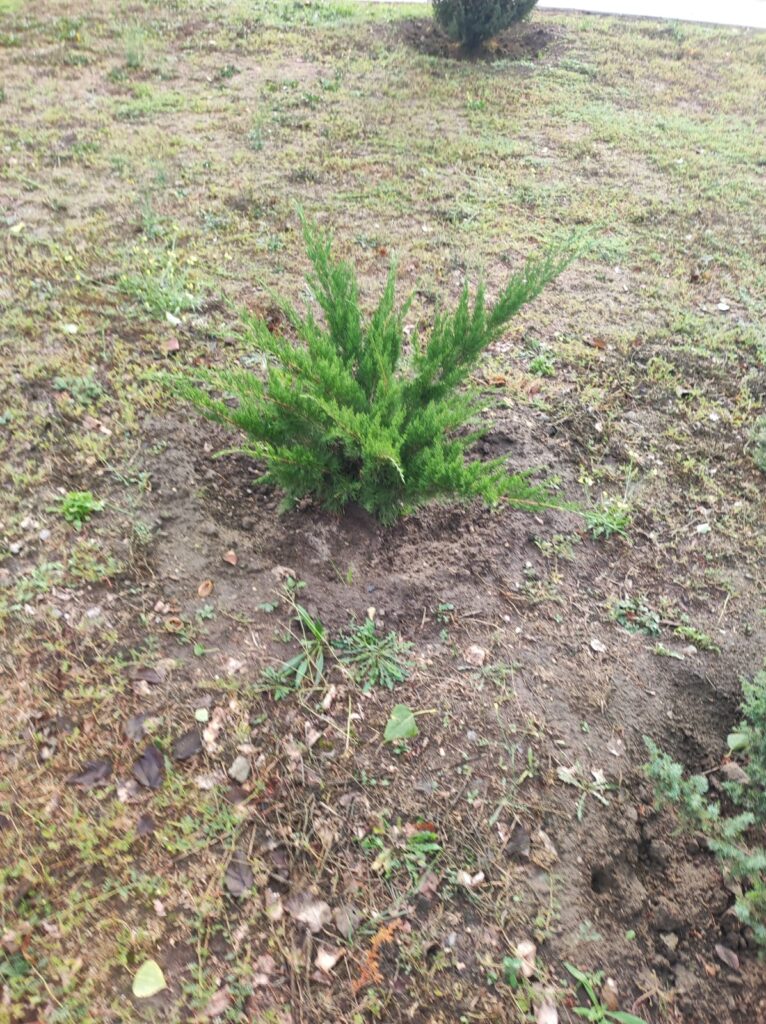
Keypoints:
(373, 660)
(598, 787)
(611, 517)
(308, 665)
(597, 1013)
(77, 507)
(633, 614)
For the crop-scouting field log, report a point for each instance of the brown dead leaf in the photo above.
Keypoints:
(218, 1003)
(263, 968)
(272, 904)
(155, 676)
(429, 884)
(727, 956)
(526, 951)
(346, 919)
(205, 589)
(546, 1012)
(475, 655)
(327, 957)
(544, 853)
(309, 910)
(469, 881)
(212, 730)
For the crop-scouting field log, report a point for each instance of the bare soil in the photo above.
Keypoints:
(153, 150)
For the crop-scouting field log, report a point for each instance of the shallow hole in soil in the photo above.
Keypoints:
(600, 880)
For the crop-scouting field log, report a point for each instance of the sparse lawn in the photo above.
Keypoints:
(192, 771)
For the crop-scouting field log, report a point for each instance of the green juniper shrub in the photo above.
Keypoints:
(749, 739)
(345, 415)
(473, 22)
(733, 837)
(759, 443)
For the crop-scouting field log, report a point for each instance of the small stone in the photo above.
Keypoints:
(659, 852)
(666, 918)
(240, 769)
(670, 939)
(15, 548)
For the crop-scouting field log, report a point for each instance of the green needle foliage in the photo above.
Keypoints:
(473, 22)
(345, 415)
(732, 837)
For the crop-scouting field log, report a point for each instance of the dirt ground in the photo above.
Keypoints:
(153, 154)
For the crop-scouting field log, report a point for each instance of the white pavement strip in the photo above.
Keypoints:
(742, 13)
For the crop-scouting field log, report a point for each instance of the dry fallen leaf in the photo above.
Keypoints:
(526, 951)
(429, 884)
(610, 995)
(733, 772)
(272, 904)
(475, 655)
(544, 852)
(327, 957)
(264, 967)
(149, 769)
(346, 919)
(547, 1012)
(187, 745)
(728, 956)
(155, 676)
(306, 908)
(95, 773)
(213, 729)
(238, 878)
(205, 589)
(218, 1003)
(469, 881)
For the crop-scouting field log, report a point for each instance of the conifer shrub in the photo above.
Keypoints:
(347, 412)
(736, 834)
(473, 22)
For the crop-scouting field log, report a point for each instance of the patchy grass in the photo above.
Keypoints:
(153, 159)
